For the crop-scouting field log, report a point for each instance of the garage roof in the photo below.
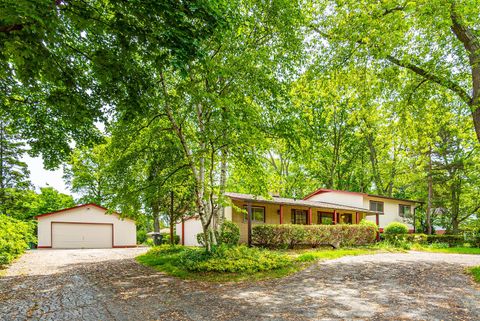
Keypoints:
(78, 206)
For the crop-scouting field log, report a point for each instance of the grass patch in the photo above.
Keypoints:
(452, 250)
(475, 272)
(238, 263)
(333, 254)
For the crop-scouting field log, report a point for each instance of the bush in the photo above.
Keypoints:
(229, 233)
(290, 236)
(233, 259)
(473, 238)
(201, 239)
(451, 240)
(15, 237)
(141, 236)
(166, 249)
(166, 238)
(417, 238)
(396, 228)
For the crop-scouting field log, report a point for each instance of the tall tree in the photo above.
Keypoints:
(14, 174)
(403, 34)
(86, 174)
(64, 63)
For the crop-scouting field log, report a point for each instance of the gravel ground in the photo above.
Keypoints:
(110, 285)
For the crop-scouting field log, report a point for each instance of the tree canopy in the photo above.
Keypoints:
(140, 99)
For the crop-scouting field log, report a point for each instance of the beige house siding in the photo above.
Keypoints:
(339, 197)
(390, 209)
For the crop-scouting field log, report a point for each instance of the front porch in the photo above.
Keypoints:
(248, 211)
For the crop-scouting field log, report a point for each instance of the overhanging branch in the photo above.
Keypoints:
(449, 84)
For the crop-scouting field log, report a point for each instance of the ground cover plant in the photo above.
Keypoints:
(238, 263)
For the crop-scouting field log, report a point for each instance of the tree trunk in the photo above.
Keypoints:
(430, 194)
(172, 219)
(156, 222)
(476, 122)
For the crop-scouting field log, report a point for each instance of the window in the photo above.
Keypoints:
(325, 218)
(299, 217)
(376, 206)
(404, 210)
(346, 219)
(258, 214)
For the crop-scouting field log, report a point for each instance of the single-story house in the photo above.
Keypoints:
(324, 206)
(85, 226)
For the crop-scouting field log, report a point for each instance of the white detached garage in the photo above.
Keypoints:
(85, 226)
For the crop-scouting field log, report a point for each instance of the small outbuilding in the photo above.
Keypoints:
(86, 226)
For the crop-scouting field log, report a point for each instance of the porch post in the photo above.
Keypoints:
(377, 219)
(334, 217)
(249, 223)
(183, 231)
(281, 214)
(356, 218)
(309, 216)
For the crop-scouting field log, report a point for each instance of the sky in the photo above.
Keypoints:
(41, 177)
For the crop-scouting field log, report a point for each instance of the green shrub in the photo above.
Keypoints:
(166, 249)
(451, 240)
(365, 222)
(396, 228)
(201, 239)
(166, 238)
(290, 236)
(229, 233)
(15, 237)
(233, 259)
(417, 238)
(141, 236)
(473, 238)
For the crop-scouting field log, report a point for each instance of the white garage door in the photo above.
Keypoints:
(81, 235)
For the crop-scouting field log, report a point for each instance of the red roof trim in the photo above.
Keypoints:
(72, 208)
(326, 190)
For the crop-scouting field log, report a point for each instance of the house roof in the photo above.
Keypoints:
(326, 190)
(293, 202)
(75, 207)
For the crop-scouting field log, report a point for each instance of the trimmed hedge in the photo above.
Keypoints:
(290, 236)
(15, 236)
(451, 240)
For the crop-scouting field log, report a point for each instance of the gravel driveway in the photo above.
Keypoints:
(110, 285)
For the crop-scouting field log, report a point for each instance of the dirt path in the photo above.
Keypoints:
(110, 285)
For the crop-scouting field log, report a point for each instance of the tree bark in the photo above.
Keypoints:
(172, 219)
(156, 222)
(428, 218)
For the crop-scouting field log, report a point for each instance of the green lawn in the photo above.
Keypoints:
(172, 264)
(475, 272)
(453, 250)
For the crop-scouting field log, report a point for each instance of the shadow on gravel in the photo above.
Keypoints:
(125, 290)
